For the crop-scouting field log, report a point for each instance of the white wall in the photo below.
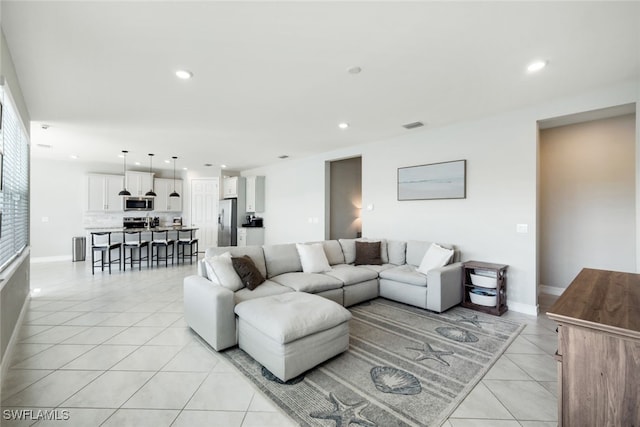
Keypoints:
(58, 197)
(588, 203)
(501, 154)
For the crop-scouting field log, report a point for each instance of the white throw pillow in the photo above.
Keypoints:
(435, 257)
(220, 270)
(313, 258)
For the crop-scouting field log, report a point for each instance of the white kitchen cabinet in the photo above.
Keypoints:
(255, 194)
(250, 236)
(103, 192)
(164, 203)
(232, 187)
(138, 183)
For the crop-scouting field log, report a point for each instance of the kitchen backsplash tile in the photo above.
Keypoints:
(114, 219)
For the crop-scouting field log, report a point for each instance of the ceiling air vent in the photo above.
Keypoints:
(43, 145)
(284, 156)
(413, 125)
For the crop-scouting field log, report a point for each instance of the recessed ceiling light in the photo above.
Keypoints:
(185, 169)
(137, 163)
(343, 125)
(44, 126)
(168, 161)
(74, 157)
(354, 70)
(208, 165)
(537, 66)
(223, 166)
(184, 74)
(284, 156)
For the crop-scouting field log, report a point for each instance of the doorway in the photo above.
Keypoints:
(204, 210)
(345, 198)
(587, 210)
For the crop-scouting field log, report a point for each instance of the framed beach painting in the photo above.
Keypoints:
(446, 180)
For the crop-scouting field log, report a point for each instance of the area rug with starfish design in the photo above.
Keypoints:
(404, 367)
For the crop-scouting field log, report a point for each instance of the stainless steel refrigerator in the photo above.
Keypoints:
(227, 222)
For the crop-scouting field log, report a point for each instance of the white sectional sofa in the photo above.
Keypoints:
(209, 307)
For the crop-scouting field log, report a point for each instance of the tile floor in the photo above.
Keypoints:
(114, 350)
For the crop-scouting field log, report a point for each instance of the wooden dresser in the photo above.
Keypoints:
(598, 356)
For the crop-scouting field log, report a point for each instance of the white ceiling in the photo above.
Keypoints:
(270, 78)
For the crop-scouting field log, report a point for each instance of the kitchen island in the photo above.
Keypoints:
(182, 235)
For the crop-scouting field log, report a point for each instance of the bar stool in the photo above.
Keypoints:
(132, 245)
(98, 243)
(191, 242)
(158, 243)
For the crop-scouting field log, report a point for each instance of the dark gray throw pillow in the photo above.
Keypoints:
(368, 253)
(248, 272)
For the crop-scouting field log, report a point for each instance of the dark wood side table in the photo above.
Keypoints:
(499, 285)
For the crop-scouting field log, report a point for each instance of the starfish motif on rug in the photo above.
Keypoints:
(473, 319)
(345, 414)
(427, 352)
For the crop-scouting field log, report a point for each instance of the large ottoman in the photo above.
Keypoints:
(291, 333)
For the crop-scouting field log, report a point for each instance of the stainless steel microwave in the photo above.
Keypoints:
(138, 204)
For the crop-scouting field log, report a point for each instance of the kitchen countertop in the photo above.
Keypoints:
(143, 229)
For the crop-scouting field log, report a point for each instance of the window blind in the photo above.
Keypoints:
(14, 195)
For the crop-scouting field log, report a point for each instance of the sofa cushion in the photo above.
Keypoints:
(405, 274)
(348, 249)
(313, 258)
(288, 317)
(368, 253)
(266, 289)
(281, 259)
(308, 282)
(397, 251)
(220, 270)
(415, 251)
(247, 271)
(350, 274)
(255, 252)
(377, 268)
(435, 257)
(333, 250)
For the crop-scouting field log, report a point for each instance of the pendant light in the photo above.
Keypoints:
(174, 194)
(124, 191)
(151, 193)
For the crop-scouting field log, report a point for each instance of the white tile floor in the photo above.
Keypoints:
(114, 350)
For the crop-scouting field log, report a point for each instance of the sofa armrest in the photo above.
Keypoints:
(444, 287)
(208, 310)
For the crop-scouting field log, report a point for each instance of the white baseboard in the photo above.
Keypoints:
(4, 365)
(58, 258)
(519, 307)
(551, 290)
